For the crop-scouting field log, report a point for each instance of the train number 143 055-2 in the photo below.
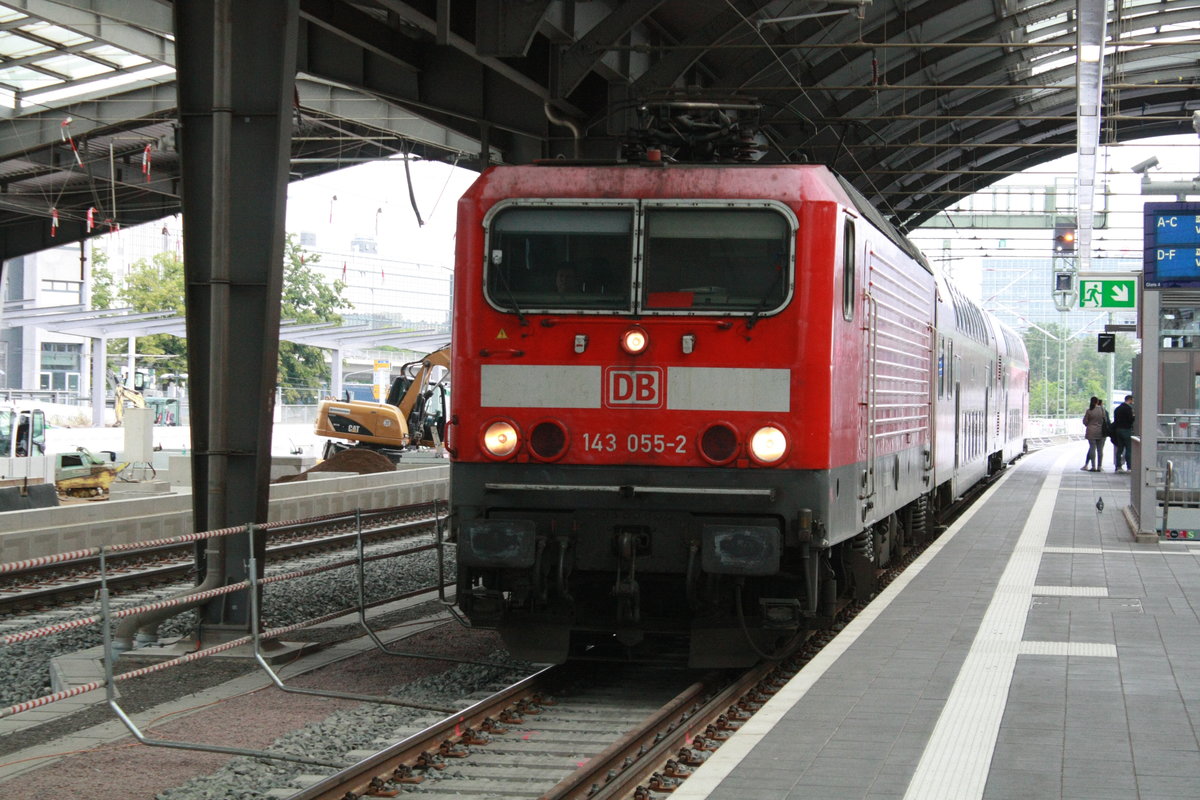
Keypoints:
(635, 443)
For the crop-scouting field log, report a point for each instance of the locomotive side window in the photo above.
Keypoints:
(706, 259)
(848, 264)
(560, 257)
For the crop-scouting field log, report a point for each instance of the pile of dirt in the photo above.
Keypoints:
(356, 459)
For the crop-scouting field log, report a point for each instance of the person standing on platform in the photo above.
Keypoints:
(1122, 433)
(1095, 423)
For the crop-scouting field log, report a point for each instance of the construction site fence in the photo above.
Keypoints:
(436, 509)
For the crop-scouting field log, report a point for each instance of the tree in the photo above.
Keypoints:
(104, 284)
(1066, 371)
(303, 369)
(157, 284)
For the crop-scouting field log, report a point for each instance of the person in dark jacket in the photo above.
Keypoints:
(1095, 424)
(1122, 432)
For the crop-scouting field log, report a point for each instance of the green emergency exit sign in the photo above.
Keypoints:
(1108, 293)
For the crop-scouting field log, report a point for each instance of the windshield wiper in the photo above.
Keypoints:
(508, 290)
(765, 301)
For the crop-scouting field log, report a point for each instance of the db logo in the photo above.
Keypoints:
(633, 387)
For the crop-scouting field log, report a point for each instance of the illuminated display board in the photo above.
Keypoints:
(1172, 245)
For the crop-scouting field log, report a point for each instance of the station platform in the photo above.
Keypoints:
(133, 516)
(1035, 650)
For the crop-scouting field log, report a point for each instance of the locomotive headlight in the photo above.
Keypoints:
(768, 444)
(634, 340)
(500, 439)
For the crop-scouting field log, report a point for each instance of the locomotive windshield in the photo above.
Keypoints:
(716, 259)
(563, 258)
(693, 259)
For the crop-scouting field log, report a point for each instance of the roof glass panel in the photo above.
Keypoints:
(122, 58)
(73, 67)
(97, 87)
(1047, 22)
(10, 14)
(23, 79)
(53, 33)
(13, 46)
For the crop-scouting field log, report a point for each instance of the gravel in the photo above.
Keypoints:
(268, 719)
(366, 727)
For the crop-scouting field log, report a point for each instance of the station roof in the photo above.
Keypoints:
(917, 103)
(120, 323)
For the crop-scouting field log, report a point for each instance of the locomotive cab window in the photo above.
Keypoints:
(706, 259)
(563, 258)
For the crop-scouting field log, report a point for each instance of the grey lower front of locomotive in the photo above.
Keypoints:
(545, 551)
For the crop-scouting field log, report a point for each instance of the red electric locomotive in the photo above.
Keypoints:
(702, 401)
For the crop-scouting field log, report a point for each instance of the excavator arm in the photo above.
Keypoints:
(438, 358)
(123, 398)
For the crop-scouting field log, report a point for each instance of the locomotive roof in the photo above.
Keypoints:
(871, 213)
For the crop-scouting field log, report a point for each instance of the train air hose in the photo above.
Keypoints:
(782, 652)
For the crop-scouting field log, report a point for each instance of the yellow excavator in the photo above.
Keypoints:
(413, 416)
(123, 398)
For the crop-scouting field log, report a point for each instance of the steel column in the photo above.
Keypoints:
(236, 61)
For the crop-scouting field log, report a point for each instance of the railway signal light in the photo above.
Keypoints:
(1064, 239)
(1106, 343)
(1064, 281)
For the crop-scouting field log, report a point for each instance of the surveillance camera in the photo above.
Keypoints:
(1142, 167)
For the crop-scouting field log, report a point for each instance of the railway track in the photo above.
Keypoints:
(572, 731)
(45, 587)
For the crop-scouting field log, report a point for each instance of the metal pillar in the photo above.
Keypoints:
(335, 379)
(1146, 478)
(236, 75)
(99, 380)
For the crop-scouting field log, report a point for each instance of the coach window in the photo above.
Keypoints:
(716, 259)
(560, 257)
(848, 264)
(941, 366)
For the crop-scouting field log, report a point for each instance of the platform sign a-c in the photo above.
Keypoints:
(1108, 293)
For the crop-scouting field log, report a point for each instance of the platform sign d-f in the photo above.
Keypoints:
(1108, 293)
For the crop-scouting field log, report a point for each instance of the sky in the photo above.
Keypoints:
(372, 200)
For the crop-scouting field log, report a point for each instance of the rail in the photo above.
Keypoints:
(107, 615)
